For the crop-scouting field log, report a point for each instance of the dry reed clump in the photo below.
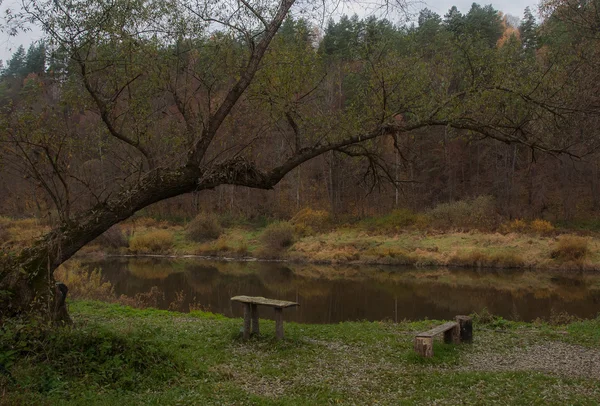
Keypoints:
(153, 242)
(153, 298)
(84, 283)
(570, 248)
(478, 213)
(278, 236)
(542, 227)
(205, 226)
(481, 259)
(308, 221)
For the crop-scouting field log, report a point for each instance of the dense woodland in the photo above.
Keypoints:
(315, 81)
(177, 108)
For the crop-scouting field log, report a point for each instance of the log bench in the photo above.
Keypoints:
(251, 304)
(455, 332)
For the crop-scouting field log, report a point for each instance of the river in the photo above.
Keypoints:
(331, 294)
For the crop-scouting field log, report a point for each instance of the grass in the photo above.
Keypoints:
(399, 238)
(116, 354)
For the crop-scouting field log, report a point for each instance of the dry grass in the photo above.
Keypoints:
(84, 283)
(570, 248)
(480, 259)
(153, 242)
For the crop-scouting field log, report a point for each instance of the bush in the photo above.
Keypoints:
(278, 236)
(541, 227)
(101, 357)
(156, 242)
(205, 226)
(307, 220)
(113, 238)
(478, 213)
(514, 226)
(570, 248)
(84, 283)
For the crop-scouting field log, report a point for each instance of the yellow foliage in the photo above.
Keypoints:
(515, 226)
(541, 226)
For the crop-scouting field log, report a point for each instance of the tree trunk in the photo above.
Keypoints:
(26, 280)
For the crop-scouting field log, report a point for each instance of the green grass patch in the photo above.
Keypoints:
(119, 355)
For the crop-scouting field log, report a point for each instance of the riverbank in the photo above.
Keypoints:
(378, 241)
(115, 354)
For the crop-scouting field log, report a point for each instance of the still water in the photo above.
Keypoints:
(330, 294)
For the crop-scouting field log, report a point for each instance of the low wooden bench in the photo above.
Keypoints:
(455, 332)
(251, 313)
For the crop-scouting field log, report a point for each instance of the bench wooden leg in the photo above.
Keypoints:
(247, 318)
(279, 323)
(255, 328)
(466, 329)
(424, 346)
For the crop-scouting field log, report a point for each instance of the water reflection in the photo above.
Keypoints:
(332, 294)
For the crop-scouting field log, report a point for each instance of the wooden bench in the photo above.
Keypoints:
(455, 332)
(251, 313)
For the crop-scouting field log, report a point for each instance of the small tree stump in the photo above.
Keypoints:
(452, 336)
(60, 315)
(424, 346)
(466, 328)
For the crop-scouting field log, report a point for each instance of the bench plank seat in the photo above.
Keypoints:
(439, 329)
(258, 300)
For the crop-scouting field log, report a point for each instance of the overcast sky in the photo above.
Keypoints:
(8, 45)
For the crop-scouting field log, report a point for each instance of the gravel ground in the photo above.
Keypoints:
(550, 357)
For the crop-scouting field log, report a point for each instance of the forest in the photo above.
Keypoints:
(488, 105)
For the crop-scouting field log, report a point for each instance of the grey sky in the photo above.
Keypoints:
(8, 45)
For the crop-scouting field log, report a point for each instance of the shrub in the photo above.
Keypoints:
(308, 220)
(541, 227)
(205, 226)
(570, 248)
(278, 236)
(514, 226)
(113, 238)
(84, 283)
(479, 213)
(159, 241)
(102, 357)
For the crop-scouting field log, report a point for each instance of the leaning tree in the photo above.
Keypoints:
(153, 99)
